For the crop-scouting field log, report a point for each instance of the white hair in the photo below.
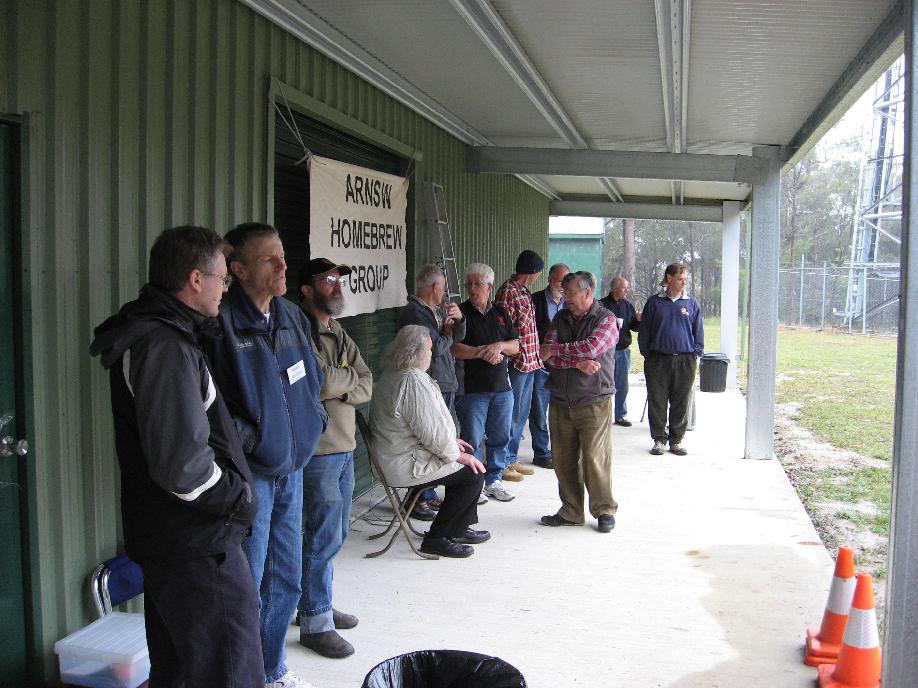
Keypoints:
(586, 280)
(480, 269)
(428, 275)
(408, 348)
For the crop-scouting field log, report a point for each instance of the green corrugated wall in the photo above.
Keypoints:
(143, 115)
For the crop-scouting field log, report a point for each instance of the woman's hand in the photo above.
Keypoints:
(465, 446)
(471, 462)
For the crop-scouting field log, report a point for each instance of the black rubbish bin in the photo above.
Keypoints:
(444, 669)
(714, 372)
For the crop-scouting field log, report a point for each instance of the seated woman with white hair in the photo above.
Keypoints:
(415, 442)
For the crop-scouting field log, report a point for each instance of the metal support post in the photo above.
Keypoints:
(822, 312)
(900, 642)
(764, 252)
(800, 312)
(729, 286)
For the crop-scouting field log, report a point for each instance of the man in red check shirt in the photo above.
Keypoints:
(514, 298)
(580, 352)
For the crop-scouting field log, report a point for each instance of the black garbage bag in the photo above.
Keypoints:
(444, 669)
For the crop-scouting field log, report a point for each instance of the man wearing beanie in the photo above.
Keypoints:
(514, 298)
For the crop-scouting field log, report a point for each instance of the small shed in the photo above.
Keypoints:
(579, 251)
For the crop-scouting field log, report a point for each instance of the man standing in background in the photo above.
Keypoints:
(546, 303)
(516, 301)
(628, 321)
(328, 478)
(671, 339)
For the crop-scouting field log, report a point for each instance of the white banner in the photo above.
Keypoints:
(357, 218)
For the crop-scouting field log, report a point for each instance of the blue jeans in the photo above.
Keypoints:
(522, 398)
(275, 554)
(538, 416)
(328, 489)
(487, 415)
(622, 367)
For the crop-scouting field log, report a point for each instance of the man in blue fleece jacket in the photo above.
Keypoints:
(671, 339)
(266, 367)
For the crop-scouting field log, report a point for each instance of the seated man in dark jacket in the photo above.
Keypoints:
(186, 495)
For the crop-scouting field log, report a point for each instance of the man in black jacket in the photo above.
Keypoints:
(186, 498)
(629, 321)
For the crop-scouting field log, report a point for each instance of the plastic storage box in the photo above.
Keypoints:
(108, 653)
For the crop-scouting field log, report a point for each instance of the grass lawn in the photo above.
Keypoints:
(846, 385)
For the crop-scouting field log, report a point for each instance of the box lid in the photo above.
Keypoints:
(118, 637)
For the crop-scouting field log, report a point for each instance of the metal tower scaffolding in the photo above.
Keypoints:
(875, 239)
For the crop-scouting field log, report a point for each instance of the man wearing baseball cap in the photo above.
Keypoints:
(514, 298)
(328, 480)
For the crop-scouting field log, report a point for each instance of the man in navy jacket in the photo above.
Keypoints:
(266, 367)
(671, 338)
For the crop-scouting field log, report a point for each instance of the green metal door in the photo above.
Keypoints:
(13, 658)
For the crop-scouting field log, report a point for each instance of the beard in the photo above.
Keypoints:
(333, 305)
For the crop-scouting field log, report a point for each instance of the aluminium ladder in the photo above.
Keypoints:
(440, 238)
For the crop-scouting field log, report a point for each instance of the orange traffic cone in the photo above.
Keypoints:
(822, 646)
(859, 661)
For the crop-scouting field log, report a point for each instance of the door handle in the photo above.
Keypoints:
(9, 446)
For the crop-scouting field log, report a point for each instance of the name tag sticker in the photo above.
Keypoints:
(296, 372)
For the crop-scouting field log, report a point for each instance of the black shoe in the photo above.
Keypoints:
(343, 621)
(606, 523)
(554, 521)
(446, 548)
(327, 644)
(624, 422)
(677, 449)
(543, 462)
(472, 537)
(423, 512)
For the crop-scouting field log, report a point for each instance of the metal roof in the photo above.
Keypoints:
(521, 80)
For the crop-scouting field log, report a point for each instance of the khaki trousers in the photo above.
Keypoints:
(581, 447)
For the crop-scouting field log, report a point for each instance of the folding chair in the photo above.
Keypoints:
(113, 582)
(401, 507)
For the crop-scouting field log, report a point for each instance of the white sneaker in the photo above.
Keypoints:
(498, 491)
(482, 498)
(289, 680)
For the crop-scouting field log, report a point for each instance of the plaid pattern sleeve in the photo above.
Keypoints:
(601, 339)
(516, 300)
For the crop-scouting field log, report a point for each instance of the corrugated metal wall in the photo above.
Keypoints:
(144, 115)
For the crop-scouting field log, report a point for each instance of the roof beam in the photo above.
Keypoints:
(674, 22)
(292, 16)
(875, 57)
(643, 211)
(492, 31)
(606, 163)
(609, 186)
(539, 185)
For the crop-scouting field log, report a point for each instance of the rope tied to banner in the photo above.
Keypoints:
(291, 125)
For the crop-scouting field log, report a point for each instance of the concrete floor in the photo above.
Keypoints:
(708, 580)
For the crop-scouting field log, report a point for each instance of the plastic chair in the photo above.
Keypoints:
(401, 507)
(114, 582)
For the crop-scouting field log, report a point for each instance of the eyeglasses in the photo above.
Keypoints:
(332, 280)
(226, 279)
(474, 285)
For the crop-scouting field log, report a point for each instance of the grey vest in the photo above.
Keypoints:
(569, 386)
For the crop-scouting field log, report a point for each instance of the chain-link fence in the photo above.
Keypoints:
(818, 296)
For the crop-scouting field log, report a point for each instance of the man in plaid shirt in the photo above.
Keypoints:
(514, 298)
(580, 352)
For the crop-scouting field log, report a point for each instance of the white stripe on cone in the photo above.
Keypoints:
(840, 595)
(861, 629)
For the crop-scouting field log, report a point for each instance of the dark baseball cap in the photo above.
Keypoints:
(319, 266)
